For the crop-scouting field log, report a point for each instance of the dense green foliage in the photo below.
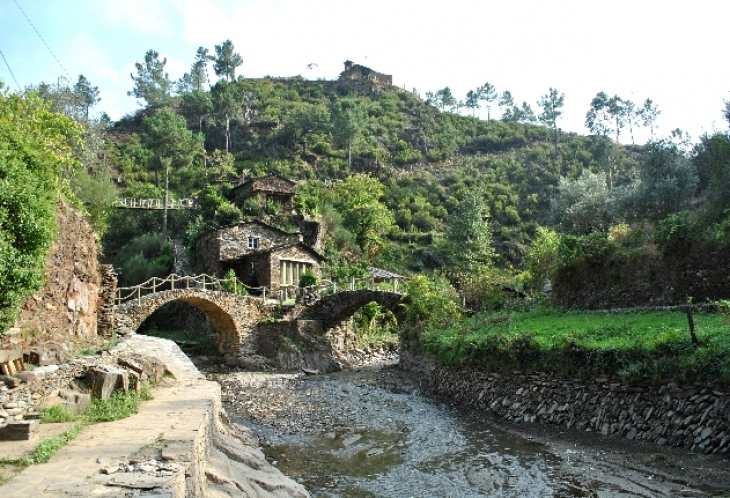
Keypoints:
(35, 154)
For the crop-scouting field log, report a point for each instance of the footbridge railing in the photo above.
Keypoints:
(235, 286)
(135, 203)
(172, 282)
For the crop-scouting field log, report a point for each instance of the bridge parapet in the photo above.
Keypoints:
(335, 308)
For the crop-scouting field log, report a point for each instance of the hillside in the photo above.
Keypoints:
(426, 159)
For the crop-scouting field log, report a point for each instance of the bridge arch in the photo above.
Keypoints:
(336, 308)
(234, 317)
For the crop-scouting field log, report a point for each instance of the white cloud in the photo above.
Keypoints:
(140, 15)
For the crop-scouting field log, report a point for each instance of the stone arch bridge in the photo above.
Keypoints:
(239, 319)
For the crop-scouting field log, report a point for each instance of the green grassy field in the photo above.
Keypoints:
(636, 347)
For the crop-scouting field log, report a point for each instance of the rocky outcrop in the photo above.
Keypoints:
(66, 306)
(694, 416)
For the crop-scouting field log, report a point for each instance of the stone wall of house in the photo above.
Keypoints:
(292, 253)
(695, 416)
(65, 308)
(230, 243)
(650, 279)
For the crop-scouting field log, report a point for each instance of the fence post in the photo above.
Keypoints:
(139, 295)
(172, 282)
(234, 285)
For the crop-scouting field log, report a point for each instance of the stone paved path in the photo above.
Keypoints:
(173, 416)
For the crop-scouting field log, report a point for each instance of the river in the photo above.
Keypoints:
(372, 433)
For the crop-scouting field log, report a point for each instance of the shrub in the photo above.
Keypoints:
(308, 279)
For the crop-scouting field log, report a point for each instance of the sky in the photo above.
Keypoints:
(671, 52)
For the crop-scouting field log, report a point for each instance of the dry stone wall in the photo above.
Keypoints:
(694, 416)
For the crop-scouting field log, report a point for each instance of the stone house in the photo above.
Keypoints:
(260, 254)
(272, 193)
(358, 72)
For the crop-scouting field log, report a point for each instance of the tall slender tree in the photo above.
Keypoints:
(617, 109)
(472, 101)
(551, 105)
(649, 114)
(87, 96)
(488, 94)
(348, 119)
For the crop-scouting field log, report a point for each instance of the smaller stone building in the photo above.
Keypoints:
(260, 254)
(358, 72)
(273, 194)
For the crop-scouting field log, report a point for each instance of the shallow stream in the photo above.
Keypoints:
(370, 433)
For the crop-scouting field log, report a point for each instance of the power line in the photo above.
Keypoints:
(44, 41)
(11, 71)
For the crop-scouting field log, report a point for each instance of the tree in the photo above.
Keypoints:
(633, 117)
(358, 200)
(668, 181)
(649, 114)
(87, 96)
(196, 105)
(227, 103)
(583, 205)
(152, 83)
(226, 60)
(617, 109)
(507, 104)
(598, 117)
(304, 120)
(172, 144)
(196, 79)
(348, 119)
(711, 159)
(488, 94)
(444, 98)
(472, 101)
(469, 235)
(526, 114)
(551, 105)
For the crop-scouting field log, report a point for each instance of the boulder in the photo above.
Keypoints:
(103, 380)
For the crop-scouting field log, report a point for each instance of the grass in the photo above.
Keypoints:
(119, 405)
(57, 414)
(189, 344)
(634, 346)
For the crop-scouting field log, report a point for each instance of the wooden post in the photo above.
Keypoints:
(154, 284)
(139, 295)
(172, 282)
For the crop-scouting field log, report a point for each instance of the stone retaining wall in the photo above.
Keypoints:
(695, 416)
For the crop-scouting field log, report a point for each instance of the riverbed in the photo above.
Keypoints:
(372, 432)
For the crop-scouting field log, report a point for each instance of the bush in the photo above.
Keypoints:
(144, 257)
(308, 279)
(229, 283)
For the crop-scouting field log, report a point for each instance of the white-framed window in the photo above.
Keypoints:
(253, 242)
(251, 268)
